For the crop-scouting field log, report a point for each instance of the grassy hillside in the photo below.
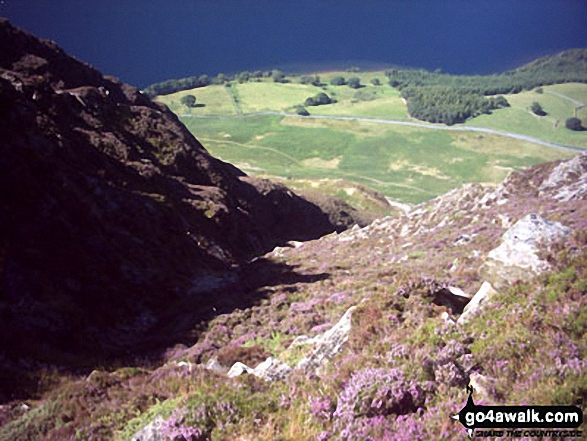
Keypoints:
(211, 100)
(557, 102)
(409, 164)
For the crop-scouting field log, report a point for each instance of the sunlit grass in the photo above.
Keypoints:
(519, 119)
(405, 163)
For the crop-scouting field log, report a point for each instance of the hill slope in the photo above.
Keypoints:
(372, 334)
(110, 210)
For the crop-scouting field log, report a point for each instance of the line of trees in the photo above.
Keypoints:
(449, 99)
(438, 104)
(172, 86)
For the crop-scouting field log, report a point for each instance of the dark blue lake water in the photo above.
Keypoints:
(145, 41)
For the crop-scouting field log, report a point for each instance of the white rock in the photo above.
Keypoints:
(272, 369)
(214, 366)
(445, 316)
(302, 340)
(483, 386)
(568, 180)
(238, 369)
(479, 300)
(327, 344)
(151, 432)
(517, 256)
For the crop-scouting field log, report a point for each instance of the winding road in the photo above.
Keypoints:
(400, 123)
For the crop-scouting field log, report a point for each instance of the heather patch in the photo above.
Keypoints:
(405, 365)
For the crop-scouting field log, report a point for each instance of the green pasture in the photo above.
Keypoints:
(271, 96)
(210, 100)
(408, 164)
(519, 119)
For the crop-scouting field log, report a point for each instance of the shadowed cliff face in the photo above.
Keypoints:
(109, 207)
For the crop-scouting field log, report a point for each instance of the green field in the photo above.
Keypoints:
(519, 119)
(404, 163)
(211, 100)
(408, 164)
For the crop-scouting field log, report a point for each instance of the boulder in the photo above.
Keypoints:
(484, 387)
(151, 432)
(272, 369)
(238, 369)
(479, 301)
(567, 181)
(328, 344)
(517, 256)
(325, 346)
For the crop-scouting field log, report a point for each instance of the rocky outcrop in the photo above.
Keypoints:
(328, 344)
(478, 302)
(110, 209)
(151, 432)
(322, 348)
(271, 369)
(517, 257)
(567, 181)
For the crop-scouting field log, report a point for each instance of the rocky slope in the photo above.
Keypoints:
(370, 334)
(110, 210)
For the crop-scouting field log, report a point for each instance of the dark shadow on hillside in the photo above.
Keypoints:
(180, 323)
(253, 283)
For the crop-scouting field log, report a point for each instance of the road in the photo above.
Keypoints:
(400, 123)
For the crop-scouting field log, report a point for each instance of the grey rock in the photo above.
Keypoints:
(517, 256)
(272, 369)
(213, 365)
(151, 432)
(479, 301)
(484, 387)
(567, 181)
(327, 344)
(238, 369)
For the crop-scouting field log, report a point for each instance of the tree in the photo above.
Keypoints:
(310, 79)
(219, 79)
(537, 109)
(189, 101)
(354, 82)
(574, 124)
(301, 110)
(277, 76)
(338, 81)
(243, 77)
(376, 82)
(318, 100)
